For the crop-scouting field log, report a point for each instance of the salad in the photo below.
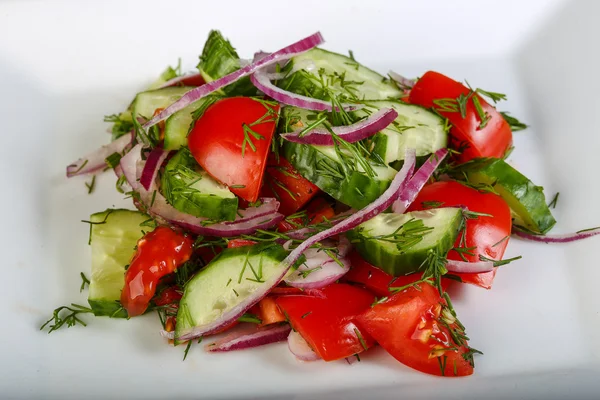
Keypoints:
(303, 197)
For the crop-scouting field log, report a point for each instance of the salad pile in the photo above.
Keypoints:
(302, 196)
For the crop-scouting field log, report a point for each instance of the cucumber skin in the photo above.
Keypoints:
(397, 264)
(270, 250)
(301, 84)
(304, 158)
(203, 205)
(218, 59)
(531, 198)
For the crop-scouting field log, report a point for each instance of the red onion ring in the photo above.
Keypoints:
(249, 337)
(351, 133)
(261, 80)
(299, 348)
(416, 183)
(208, 88)
(402, 82)
(463, 267)
(153, 164)
(96, 160)
(562, 238)
(320, 276)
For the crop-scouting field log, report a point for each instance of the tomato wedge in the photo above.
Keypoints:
(317, 211)
(327, 324)
(483, 279)
(474, 137)
(410, 326)
(284, 183)
(377, 281)
(231, 141)
(269, 312)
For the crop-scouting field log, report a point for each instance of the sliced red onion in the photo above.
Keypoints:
(268, 206)
(351, 133)
(306, 277)
(157, 206)
(210, 87)
(365, 214)
(261, 80)
(153, 163)
(469, 267)
(251, 336)
(167, 335)
(416, 183)
(300, 348)
(563, 238)
(402, 82)
(351, 360)
(96, 160)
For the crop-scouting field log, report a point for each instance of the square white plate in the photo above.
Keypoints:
(66, 64)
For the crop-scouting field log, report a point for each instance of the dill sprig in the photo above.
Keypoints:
(66, 316)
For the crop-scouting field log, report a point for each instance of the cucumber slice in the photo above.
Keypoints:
(114, 235)
(385, 254)
(218, 59)
(324, 73)
(146, 103)
(228, 281)
(322, 166)
(178, 125)
(191, 190)
(415, 127)
(526, 200)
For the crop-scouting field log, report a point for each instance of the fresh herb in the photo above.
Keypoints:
(484, 116)
(85, 281)
(405, 236)
(141, 134)
(96, 223)
(186, 271)
(307, 272)
(199, 112)
(306, 315)
(187, 349)
(379, 300)
(515, 124)
(150, 223)
(432, 204)
(495, 97)
(113, 160)
(57, 320)
(442, 363)
(122, 124)
(554, 200)
(248, 133)
(248, 317)
(505, 238)
(498, 263)
(360, 339)
(92, 185)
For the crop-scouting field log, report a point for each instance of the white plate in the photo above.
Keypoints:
(64, 65)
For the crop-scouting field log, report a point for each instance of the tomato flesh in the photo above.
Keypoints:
(327, 324)
(231, 141)
(284, 183)
(158, 253)
(317, 211)
(408, 327)
(491, 140)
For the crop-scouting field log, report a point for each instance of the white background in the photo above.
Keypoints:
(65, 64)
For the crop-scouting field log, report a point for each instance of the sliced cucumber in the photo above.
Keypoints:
(146, 103)
(178, 125)
(415, 127)
(323, 73)
(191, 190)
(526, 200)
(376, 240)
(226, 282)
(322, 166)
(218, 59)
(114, 236)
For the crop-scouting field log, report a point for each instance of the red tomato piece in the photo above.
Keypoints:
(491, 140)
(485, 236)
(327, 324)
(231, 141)
(408, 326)
(158, 253)
(317, 211)
(376, 280)
(170, 295)
(283, 182)
(239, 243)
(269, 312)
(483, 279)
